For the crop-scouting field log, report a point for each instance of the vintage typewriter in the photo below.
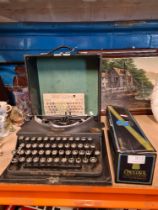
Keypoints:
(58, 150)
(63, 142)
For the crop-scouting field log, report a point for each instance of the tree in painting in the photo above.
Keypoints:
(123, 82)
(142, 83)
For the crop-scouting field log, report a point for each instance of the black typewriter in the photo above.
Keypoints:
(60, 150)
(63, 142)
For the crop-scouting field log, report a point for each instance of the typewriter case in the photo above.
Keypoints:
(69, 74)
(65, 74)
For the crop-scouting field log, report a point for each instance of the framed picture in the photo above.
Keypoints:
(128, 81)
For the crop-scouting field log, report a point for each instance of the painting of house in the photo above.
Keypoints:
(117, 80)
(128, 81)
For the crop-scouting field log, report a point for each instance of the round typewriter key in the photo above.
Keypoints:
(35, 160)
(34, 152)
(21, 145)
(83, 138)
(41, 145)
(85, 160)
(47, 145)
(27, 138)
(34, 145)
(22, 159)
(39, 138)
(58, 138)
(54, 152)
(74, 152)
(28, 160)
(77, 138)
(41, 152)
(54, 145)
(21, 137)
(28, 146)
(80, 145)
(33, 138)
(86, 146)
(49, 160)
(81, 152)
(27, 152)
(56, 160)
(42, 160)
(14, 160)
(90, 138)
(71, 138)
(67, 145)
(52, 138)
(45, 138)
(64, 160)
(61, 152)
(64, 138)
(73, 145)
(21, 152)
(60, 146)
(48, 152)
(67, 152)
(71, 160)
(88, 152)
(78, 160)
(16, 152)
(92, 146)
(97, 152)
(93, 160)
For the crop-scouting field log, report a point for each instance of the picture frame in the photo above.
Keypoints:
(127, 79)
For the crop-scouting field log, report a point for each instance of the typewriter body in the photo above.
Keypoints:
(63, 141)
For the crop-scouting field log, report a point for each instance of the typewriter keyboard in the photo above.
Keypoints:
(58, 155)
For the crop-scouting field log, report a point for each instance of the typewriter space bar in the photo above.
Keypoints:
(60, 166)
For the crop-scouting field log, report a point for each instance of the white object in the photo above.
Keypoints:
(136, 159)
(61, 103)
(3, 129)
(4, 106)
(4, 109)
(154, 101)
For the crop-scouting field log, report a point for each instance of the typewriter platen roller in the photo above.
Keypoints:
(59, 150)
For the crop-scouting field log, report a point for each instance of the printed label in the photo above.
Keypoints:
(64, 104)
(136, 159)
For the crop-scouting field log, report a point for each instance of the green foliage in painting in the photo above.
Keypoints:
(141, 80)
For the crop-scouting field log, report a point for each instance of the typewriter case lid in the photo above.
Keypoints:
(64, 74)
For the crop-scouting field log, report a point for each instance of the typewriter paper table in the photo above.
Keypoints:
(115, 196)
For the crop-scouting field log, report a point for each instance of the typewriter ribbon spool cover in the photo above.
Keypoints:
(64, 142)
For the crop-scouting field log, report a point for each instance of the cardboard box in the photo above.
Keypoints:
(133, 155)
